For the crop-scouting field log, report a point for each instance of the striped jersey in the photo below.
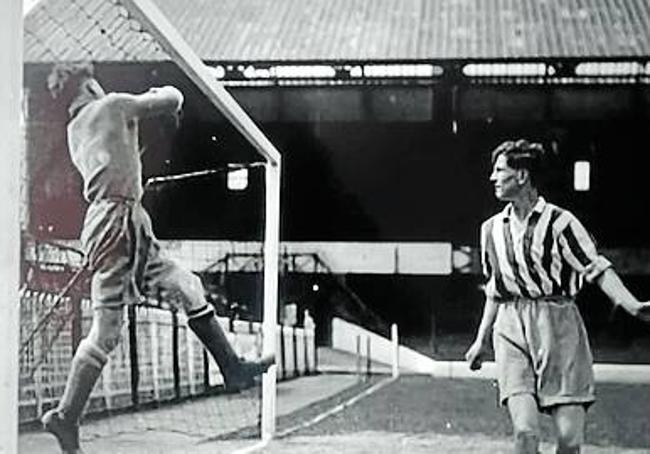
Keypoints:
(549, 253)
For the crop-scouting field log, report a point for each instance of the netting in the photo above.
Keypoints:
(159, 378)
(98, 30)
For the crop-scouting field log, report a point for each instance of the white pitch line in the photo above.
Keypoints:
(337, 408)
(262, 444)
(254, 448)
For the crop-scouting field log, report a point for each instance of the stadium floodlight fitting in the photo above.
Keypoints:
(507, 69)
(302, 71)
(218, 71)
(356, 71)
(402, 70)
(620, 68)
(251, 72)
(581, 175)
(238, 179)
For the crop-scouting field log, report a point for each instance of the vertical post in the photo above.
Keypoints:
(11, 80)
(191, 369)
(36, 347)
(395, 343)
(133, 354)
(283, 353)
(358, 371)
(294, 338)
(269, 325)
(305, 349)
(368, 358)
(206, 371)
(176, 370)
(153, 335)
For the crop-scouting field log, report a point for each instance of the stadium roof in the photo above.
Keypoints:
(357, 30)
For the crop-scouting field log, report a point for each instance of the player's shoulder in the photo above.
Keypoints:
(558, 211)
(561, 217)
(105, 105)
(487, 224)
(116, 99)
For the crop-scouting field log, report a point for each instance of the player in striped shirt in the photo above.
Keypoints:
(535, 257)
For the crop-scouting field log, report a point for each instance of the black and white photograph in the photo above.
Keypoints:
(325, 226)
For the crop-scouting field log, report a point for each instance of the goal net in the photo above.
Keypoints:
(159, 377)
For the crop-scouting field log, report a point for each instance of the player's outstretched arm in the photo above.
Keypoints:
(612, 285)
(167, 100)
(474, 355)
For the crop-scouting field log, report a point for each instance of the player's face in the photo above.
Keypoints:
(504, 179)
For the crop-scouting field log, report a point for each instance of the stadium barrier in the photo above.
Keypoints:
(158, 360)
(344, 335)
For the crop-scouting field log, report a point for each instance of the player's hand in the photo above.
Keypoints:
(474, 355)
(643, 312)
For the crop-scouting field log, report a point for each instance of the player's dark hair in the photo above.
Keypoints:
(65, 78)
(522, 154)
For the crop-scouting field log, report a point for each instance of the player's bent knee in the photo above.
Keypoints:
(91, 353)
(106, 329)
(191, 290)
(194, 283)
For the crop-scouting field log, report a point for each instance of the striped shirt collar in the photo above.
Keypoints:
(539, 208)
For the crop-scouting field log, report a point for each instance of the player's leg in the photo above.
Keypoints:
(108, 248)
(566, 382)
(87, 364)
(516, 377)
(168, 277)
(570, 427)
(186, 286)
(525, 423)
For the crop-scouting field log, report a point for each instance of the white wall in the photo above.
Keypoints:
(342, 257)
(344, 336)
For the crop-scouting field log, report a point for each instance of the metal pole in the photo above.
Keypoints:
(133, 354)
(368, 358)
(11, 130)
(270, 322)
(395, 342)
(359, 357)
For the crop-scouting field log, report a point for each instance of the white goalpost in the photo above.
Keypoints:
(156, 24)
(173, 43)
(11, 79)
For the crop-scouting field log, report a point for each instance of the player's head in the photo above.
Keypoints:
(515, 166)
(66, 81)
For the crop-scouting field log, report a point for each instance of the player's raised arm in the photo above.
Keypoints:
(612, 285)
(166, 100)
(580, 252)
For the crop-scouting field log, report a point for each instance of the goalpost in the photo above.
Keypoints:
(10, 130)
(172, 42)
(155, 23)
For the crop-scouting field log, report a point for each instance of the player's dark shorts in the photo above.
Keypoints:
(126, 259)
(541, 348)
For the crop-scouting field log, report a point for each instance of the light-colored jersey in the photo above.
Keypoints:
(103, 141)
(549, 254)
